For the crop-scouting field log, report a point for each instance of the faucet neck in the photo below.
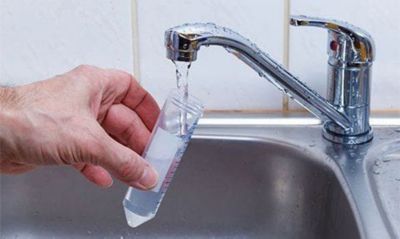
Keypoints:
(349, 92)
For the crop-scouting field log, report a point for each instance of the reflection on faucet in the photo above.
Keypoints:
(349, 157)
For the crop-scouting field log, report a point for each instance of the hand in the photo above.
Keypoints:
(96, 120)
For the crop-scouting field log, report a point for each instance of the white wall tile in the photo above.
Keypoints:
(219, 79)
(41, 38)
(308, 57)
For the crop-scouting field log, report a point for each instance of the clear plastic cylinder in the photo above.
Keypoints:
(171, 135)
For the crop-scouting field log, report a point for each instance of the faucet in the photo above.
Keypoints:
(345, 112)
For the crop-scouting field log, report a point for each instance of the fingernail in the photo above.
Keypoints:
(109, 184)
(149, 178)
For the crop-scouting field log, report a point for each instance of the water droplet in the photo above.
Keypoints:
(398, 179)
(376, 171)
(387, 159)
(312, 145)
(352, 154)
(397, 130)
(378, 163)
(285, 90)
(89, 232)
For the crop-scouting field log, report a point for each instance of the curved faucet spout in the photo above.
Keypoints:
(183, 43)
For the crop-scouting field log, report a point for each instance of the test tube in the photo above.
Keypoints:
(164, 152)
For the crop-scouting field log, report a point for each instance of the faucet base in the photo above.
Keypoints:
(347, 139)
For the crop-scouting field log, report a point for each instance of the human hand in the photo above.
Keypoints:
(93, 119)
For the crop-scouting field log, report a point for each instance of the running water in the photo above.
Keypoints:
(182, 83)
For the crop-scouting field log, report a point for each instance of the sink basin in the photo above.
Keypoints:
(226, 187)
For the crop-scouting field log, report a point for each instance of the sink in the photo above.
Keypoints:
(239, 178)
(226, 187)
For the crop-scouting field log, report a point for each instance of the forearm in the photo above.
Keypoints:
(8, 98)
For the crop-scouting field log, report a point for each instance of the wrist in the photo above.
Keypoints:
(8, 120)
(8, 110)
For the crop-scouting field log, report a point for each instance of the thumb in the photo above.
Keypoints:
(127, 165)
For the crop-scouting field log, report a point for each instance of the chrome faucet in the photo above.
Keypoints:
(345, 112)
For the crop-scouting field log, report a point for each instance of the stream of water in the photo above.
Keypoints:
(182, 83)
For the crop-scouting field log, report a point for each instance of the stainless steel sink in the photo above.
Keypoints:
(234, 182)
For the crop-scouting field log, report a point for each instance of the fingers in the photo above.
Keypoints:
(126, 127)
(133, 96)
(95, 174)
(95, 154)
(128, 113)
(146, 107)
(119, 87)
(127, 165)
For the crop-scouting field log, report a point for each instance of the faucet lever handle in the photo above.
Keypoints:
(346, 43)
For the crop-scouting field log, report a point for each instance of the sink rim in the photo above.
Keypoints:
(384, 149)
(274, 118)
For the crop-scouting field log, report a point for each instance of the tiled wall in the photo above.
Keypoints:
(41, 38)
(225, 83)
(379, 18)
(221, 80)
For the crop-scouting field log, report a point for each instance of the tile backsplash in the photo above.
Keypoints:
(379, 18)
(42, 38)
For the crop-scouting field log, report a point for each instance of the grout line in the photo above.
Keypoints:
(135, 40)
(286, 48)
